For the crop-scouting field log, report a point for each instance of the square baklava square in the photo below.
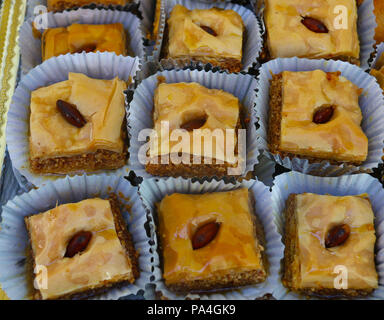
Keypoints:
(210, 241)
(312, 29)
(212, 36)
(316, 115)
(78, 125)
(84, 247)
(78, 38)
(199, 115)
(60, 5)
(329, 236)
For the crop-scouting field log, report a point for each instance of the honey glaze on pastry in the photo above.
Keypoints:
(379, 13)
(326, 231)
(311, 29)
(78, 38)
(192, 106)
(98, 105)
(78, 245)
(211, 239)
(319, 116)
(208, 35)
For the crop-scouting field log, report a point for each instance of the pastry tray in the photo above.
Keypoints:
(13, 14)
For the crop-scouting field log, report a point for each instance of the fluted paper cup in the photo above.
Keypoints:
(30, 46)
(379, 52)
(141, 107)
(294, 182)
(251, 48)
(371, 104)
(14, 279)
(104, 65)
(154, 190)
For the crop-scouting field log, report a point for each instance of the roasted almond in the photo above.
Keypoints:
(205, 234)
(314, 25)
(78, 243)
(323, 114)
(337, 235)
(193, 124)
(70, 113)
(87, 48)
(209, 30)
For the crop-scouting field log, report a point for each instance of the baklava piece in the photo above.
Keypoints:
(78, 38)
(211, 241)
(77, 125)
(199, 143)
(311, 29)
(60, 5)
(316, 115)
(379, 13)
(212, 36)
(156, 20)
(329, 245)
(82, 249)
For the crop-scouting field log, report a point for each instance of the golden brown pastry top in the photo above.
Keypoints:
(188, 39)
(316, 215)
(56, 5)
(379, 13)
(234, 247)
(341, 138)
(84, 37)
(288, 37)
(104, 259)
(179, 103)
(101, 102)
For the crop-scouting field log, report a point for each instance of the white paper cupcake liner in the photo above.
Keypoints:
(30, 46)
(252, 46)
(294, 182)
(154, 190)
(378, 53)
(371, 103)
(366, 26)
(141, 107)
(265, 170)
(14, 238)
(10, 186)
(104, 65)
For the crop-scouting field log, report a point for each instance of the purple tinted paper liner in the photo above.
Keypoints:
(366, 26)
(378, 53)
